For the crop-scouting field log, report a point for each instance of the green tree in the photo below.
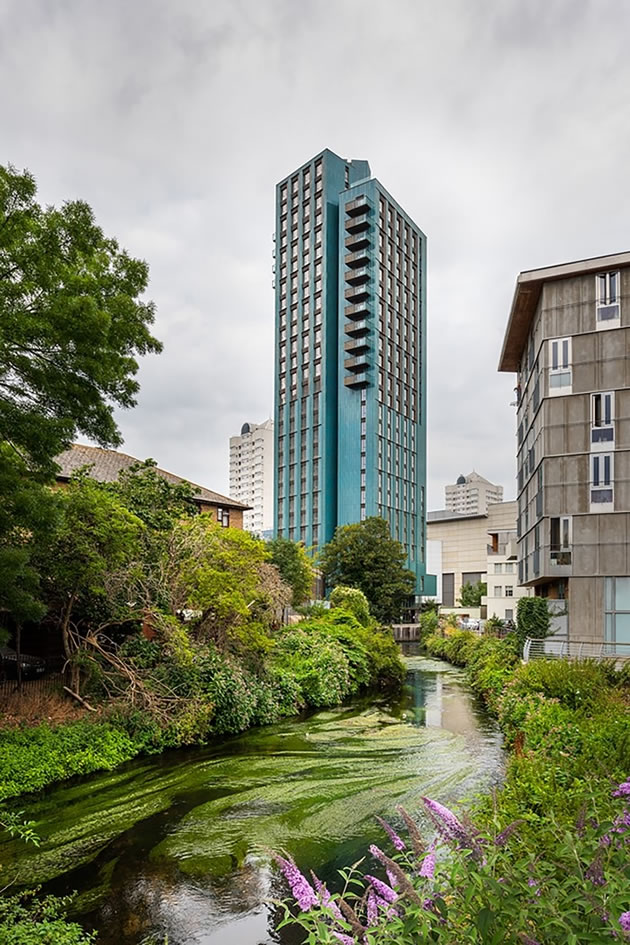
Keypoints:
(156, 501)
(470, 594)
(532, 618)
(71, 324)
(352, 600)
(96, 539)
(294, 566)
(365, 556)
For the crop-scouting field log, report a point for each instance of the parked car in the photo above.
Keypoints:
(469, 623)
(31, 666)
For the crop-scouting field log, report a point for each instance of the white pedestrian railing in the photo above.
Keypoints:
(574, 650)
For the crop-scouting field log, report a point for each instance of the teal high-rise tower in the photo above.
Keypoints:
(350, 406)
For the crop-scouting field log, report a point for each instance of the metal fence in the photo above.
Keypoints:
(551, 648)
(43, 686)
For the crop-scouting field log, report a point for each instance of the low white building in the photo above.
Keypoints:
(502, 580)
(251, 475)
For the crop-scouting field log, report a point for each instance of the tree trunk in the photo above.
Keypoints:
(67, 648)
(18, 652)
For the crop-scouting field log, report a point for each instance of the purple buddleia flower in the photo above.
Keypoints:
(528, 940)
(595, 872)
(623, 789)
(450, 827)
(624, 921)
(324, 897)
(382, 889)
(344, 939)
(502, 838)
(427, 869)
(393, 881)
(303, 892)
(372, 908)
(398, 843)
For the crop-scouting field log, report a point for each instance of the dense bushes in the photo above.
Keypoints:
(314, 664)
(567, 723)
(24, 921)
(545, 861)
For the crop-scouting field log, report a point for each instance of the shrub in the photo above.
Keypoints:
(353, 601)
(27, 921)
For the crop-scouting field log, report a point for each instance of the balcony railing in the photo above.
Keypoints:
(550, 648)
(358, 259)
(358, 310)
(358, 276)
(357, 241)
(357, 292)
(354, 329)
(357, 206)
(358, 224)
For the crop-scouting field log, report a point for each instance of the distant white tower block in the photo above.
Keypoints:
(251, 475)
(472, 494)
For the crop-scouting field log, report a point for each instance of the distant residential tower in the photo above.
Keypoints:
(471, 495)
(350, 407)
(251, 475)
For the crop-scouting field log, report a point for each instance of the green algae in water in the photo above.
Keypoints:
(179, 844)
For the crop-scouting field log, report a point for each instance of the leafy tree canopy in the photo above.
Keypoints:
(471, 594)
(295, 567)
(71, 324)
(156, 501)
(365, 556)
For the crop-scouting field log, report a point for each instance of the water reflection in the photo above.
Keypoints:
(179, 845)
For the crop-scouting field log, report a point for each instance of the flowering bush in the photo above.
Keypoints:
(489, 888)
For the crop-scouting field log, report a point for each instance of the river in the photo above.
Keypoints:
(178, 846)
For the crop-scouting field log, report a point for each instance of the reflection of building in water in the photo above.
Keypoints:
(440, 706)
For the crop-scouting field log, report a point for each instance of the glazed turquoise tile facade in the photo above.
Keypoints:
(349, 401)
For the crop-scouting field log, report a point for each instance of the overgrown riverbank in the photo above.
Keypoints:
(318, 663)
(544, 861)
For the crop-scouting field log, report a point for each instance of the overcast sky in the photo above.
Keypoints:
(501, 126)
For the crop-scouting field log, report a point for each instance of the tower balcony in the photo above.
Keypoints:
(357, 381)
(357, 206)
(357, 260)
(358, 276)
(357, 293)
(357, 346)
(358, 364)
(360, 310)
(357, 241)
(358, 224)
(357, 329)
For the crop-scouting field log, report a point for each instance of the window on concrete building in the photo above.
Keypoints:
(602, 419)
(617, 610)
(497, 568)
(509, 614)
(608, 299)
(509, 590)
(560, 374)
(497, 591)
(560, 539)
(602, 480)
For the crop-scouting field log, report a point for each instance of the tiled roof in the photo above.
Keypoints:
(107, 464)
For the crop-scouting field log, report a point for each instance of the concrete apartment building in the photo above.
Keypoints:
(568, 340)
(479, 547)
(471, 494)
(251, 475)
(350, 395)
